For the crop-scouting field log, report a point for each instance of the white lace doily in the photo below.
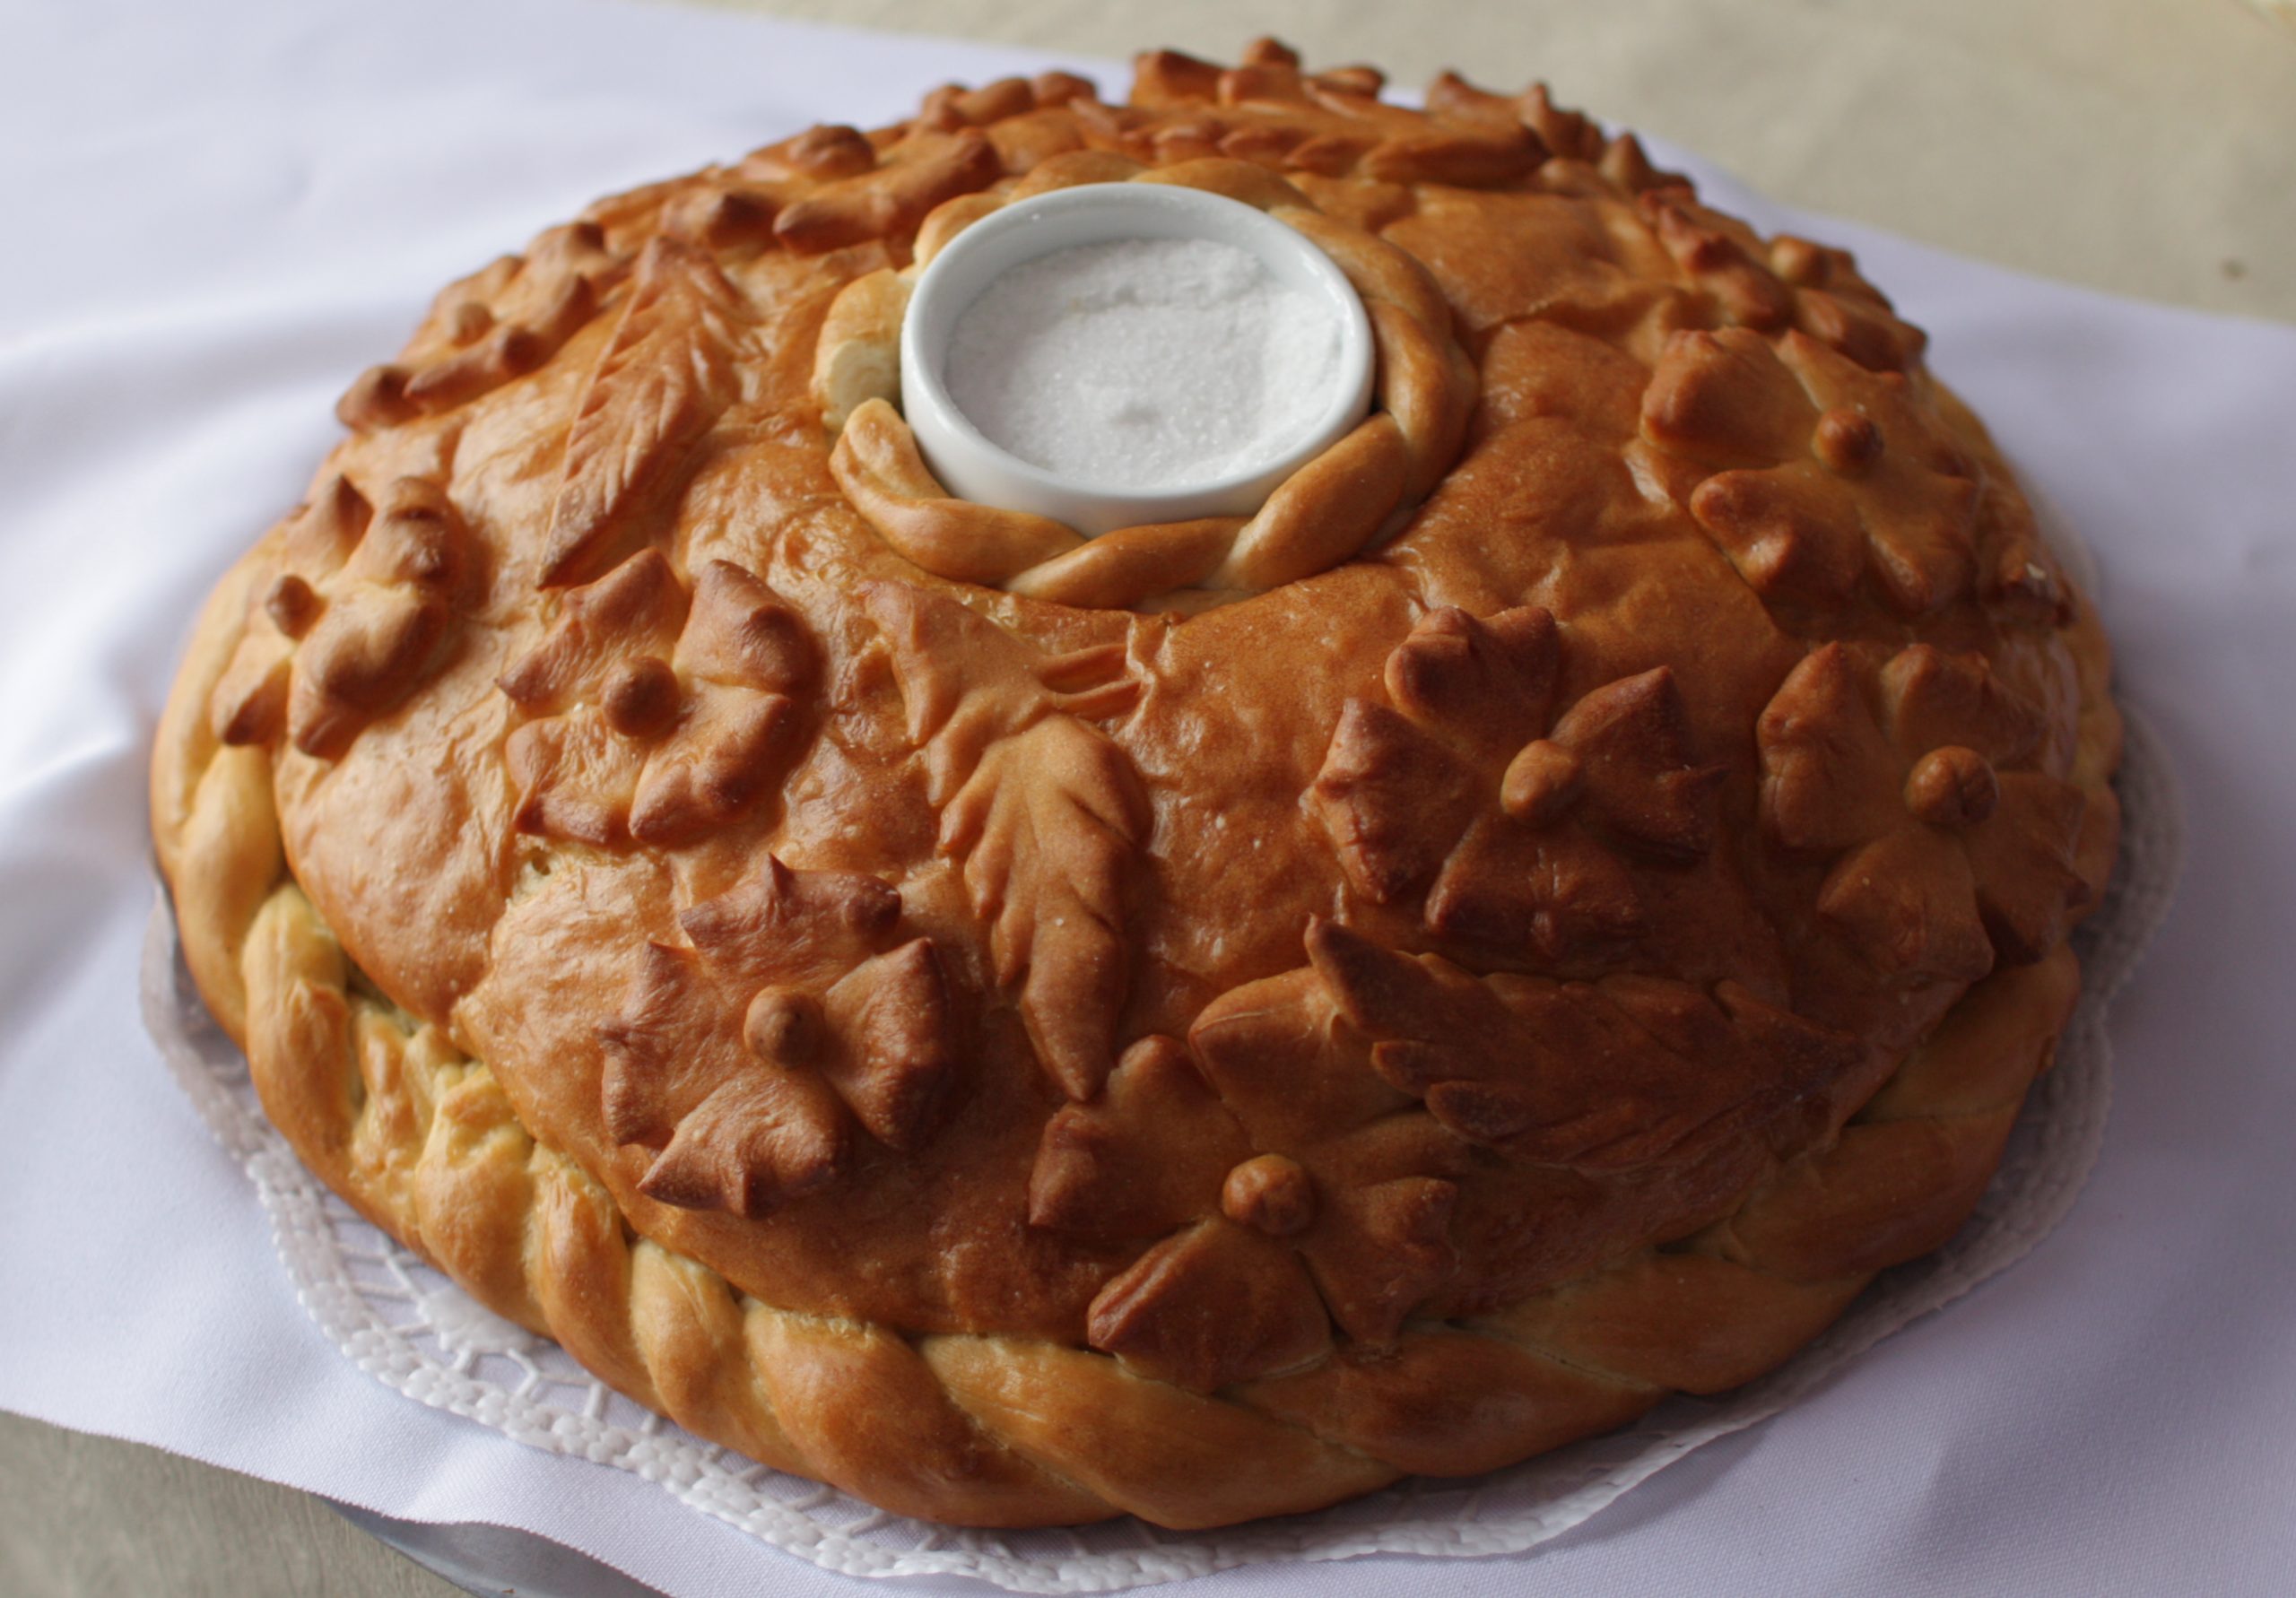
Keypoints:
(403, 1321)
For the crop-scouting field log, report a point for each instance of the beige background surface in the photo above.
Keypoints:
(2144, 146)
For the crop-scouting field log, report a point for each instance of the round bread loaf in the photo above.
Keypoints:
(1198, 1022)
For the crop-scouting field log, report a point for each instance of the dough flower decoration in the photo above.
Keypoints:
(656, 716)
(740, 1060)
(506, 320)
(1925, 779)
(1784, 284)
(1250, 1250)
(1511, 826)
(1826, 477)
(1303, 1162)
(361, 610)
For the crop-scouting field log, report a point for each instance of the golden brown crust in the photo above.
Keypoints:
(1024, 1060)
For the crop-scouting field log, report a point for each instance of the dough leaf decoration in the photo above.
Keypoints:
(1047, 825)
(744, 1060)
(1517, 831)
(1214, 1304)
(1044, 811)
(658, 717)
(1499, 1059)
(1921, 775)
(1379, 1085)
(1788, 282)
(1722, 255)
(669, 371)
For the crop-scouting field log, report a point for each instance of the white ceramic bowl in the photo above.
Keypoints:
(973, 468)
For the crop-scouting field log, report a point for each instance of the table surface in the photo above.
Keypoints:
(2141, 146)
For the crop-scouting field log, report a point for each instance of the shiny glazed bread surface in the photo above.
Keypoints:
(1197, 1023)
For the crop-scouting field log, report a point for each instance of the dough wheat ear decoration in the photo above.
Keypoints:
(669, 371)
(1197, 1023)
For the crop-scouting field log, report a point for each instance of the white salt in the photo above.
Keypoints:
(1144, 363)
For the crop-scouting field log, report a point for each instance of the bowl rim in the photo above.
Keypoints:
(974, 467)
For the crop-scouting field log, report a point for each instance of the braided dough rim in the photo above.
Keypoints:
(984, 1430)
(2053, 1149)
(1328, 511)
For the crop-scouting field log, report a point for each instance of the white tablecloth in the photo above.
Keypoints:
(211, 216)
